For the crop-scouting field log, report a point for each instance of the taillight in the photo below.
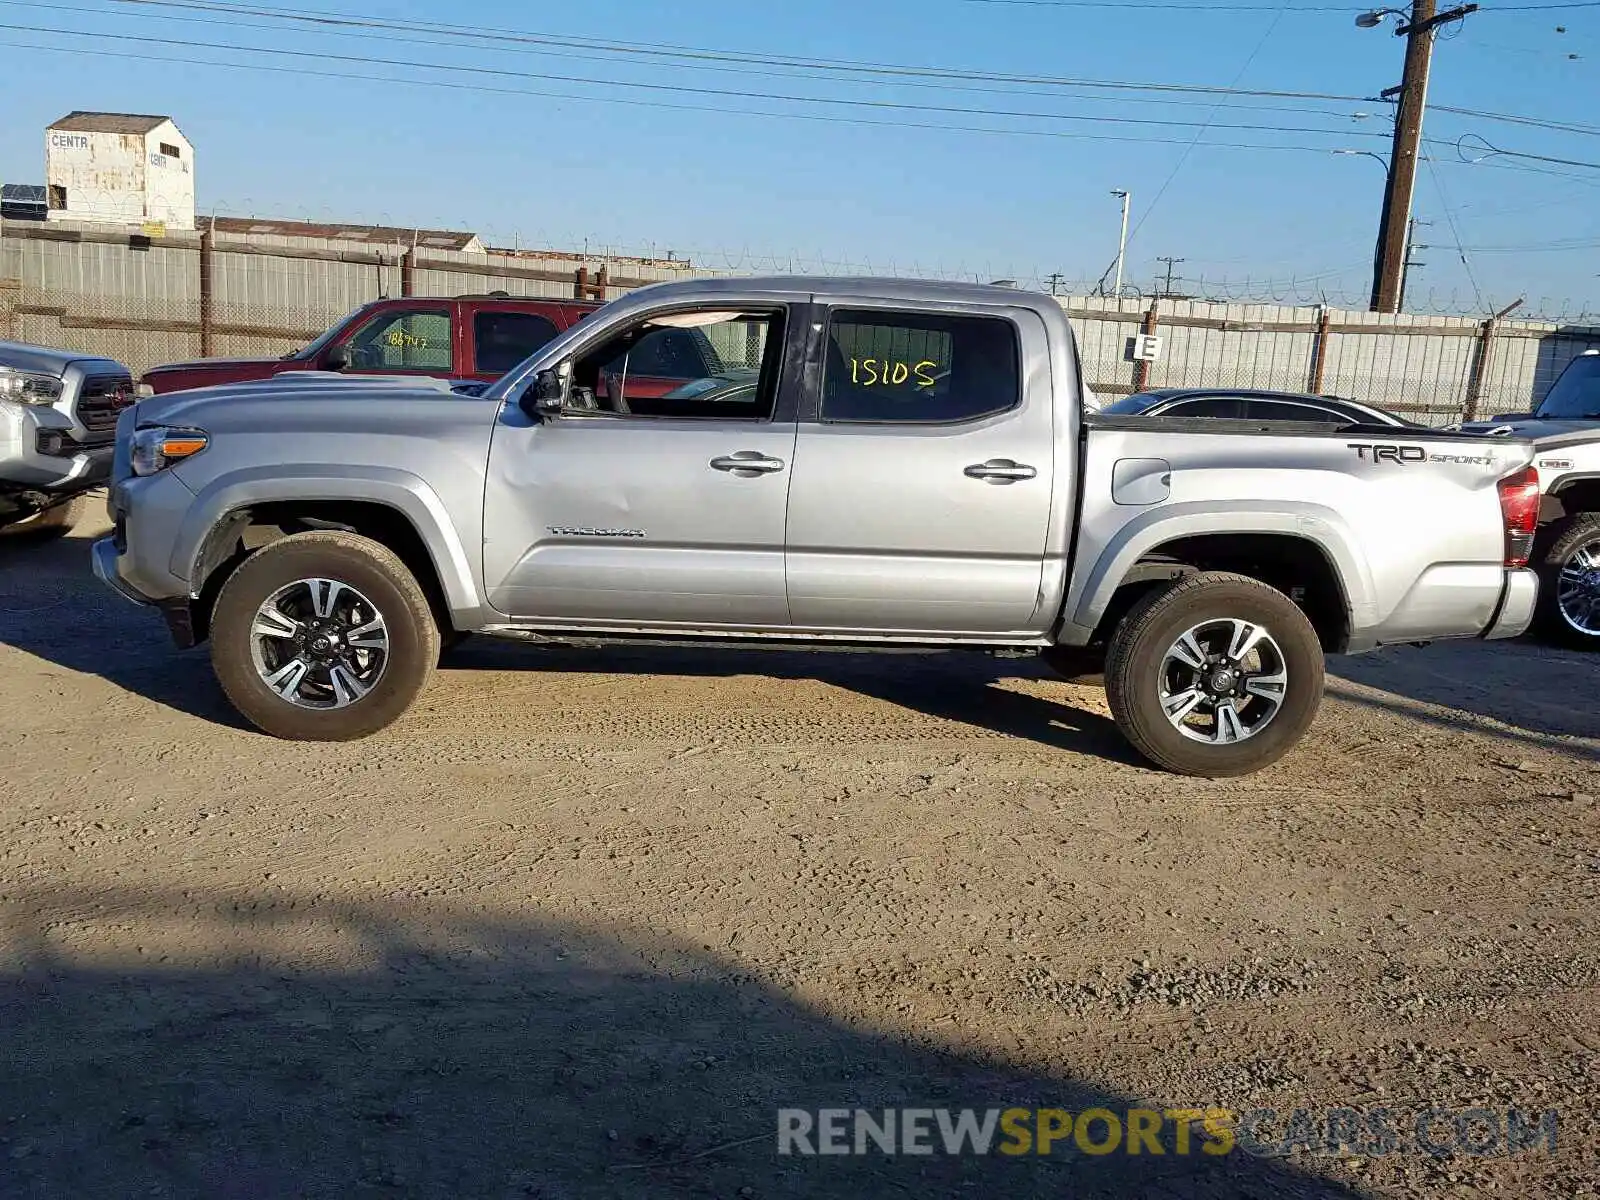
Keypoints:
(1519, 505)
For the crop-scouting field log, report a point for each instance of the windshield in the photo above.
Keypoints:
(318, 346)
(1576, 395)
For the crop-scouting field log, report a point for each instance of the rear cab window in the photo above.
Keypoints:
(502, 338)
(930, 368)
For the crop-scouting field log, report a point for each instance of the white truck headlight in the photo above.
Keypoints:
(28, 387)
(157, 448)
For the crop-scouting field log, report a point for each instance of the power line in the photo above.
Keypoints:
(765, 72)
(941, 127)
(676, 88)
(1455, 232)
(678, 52)
(699, 56)
(1207, 123)
(702, 58)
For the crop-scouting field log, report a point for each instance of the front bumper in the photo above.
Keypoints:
(1516, 606)
(107, 559)
(74, 466)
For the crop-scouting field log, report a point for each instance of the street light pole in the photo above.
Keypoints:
(1390, 255)
(1122, 241)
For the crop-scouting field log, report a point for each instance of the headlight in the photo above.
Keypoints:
(28, 387)
(157, 448)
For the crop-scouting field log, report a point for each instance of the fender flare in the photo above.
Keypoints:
(1320, 526)
(407, 494)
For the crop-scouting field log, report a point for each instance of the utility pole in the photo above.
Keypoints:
(1122, 242)
(1055, 282)
(1171, 262)
(1390, 256)
(1411, 250)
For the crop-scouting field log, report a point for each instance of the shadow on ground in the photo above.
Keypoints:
(476, 1057)
(52, 607)
(1537, 695)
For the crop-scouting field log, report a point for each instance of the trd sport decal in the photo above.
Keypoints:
(1401, 455)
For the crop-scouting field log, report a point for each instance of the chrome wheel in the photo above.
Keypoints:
(319, 643)
(1578, 590)
(1223, 681)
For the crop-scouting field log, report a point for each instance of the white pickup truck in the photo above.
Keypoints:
(58, 419)
(874, 462)
(1565, 433)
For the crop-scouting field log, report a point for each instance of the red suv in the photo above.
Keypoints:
(468, 338)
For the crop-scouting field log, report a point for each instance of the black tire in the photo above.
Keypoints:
(374, 571)
(1136, 666)
(52, 523)
(1558, 543)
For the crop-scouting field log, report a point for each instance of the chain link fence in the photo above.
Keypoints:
(146, 301)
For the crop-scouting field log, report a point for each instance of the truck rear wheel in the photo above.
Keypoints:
(323, 637)
(1214, 675)
(1568, 611)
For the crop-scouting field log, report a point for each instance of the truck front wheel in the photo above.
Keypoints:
(1214, 675)
(1569, 582)
(323, 637)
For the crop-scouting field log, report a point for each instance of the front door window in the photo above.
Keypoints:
(412, 339)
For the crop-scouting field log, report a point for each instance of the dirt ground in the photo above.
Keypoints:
(587, 919)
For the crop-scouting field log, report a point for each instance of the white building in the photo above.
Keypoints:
(119, 168)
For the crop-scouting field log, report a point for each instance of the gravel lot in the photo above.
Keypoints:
(586, 919)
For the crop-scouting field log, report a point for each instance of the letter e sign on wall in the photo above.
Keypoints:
(1144, 347)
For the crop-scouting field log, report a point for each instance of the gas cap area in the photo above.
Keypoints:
(1141, 481)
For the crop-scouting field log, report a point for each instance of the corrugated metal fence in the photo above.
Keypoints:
(148, 301)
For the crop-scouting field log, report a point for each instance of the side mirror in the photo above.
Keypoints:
(336, 357)
(547, 394)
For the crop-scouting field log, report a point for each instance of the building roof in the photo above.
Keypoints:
(99, 122)
(380, 235)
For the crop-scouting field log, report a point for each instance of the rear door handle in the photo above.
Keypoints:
(1000, 470)
(747, 464)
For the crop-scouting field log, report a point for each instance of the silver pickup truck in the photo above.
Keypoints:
(58, 416)
(872, 462)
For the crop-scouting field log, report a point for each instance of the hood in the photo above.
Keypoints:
(213, 364)
(25, 357)
(1532, 428)
(170, 407)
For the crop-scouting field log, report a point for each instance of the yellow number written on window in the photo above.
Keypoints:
(400, 339)
(887, 372)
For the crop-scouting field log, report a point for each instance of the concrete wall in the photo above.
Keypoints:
(140, 300)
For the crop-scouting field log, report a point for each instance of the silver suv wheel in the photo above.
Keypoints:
(1223, 681)
(319, 643)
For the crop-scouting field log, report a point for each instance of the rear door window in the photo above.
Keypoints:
(501, 340)
(918, 367)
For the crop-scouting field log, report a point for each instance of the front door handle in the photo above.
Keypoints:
(747, 464)
(1000, 470)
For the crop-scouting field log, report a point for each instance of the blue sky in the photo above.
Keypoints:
(731, 182)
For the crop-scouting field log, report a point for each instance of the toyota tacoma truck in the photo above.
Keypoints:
(880, 462)
(1565, 432)
(58, 418)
